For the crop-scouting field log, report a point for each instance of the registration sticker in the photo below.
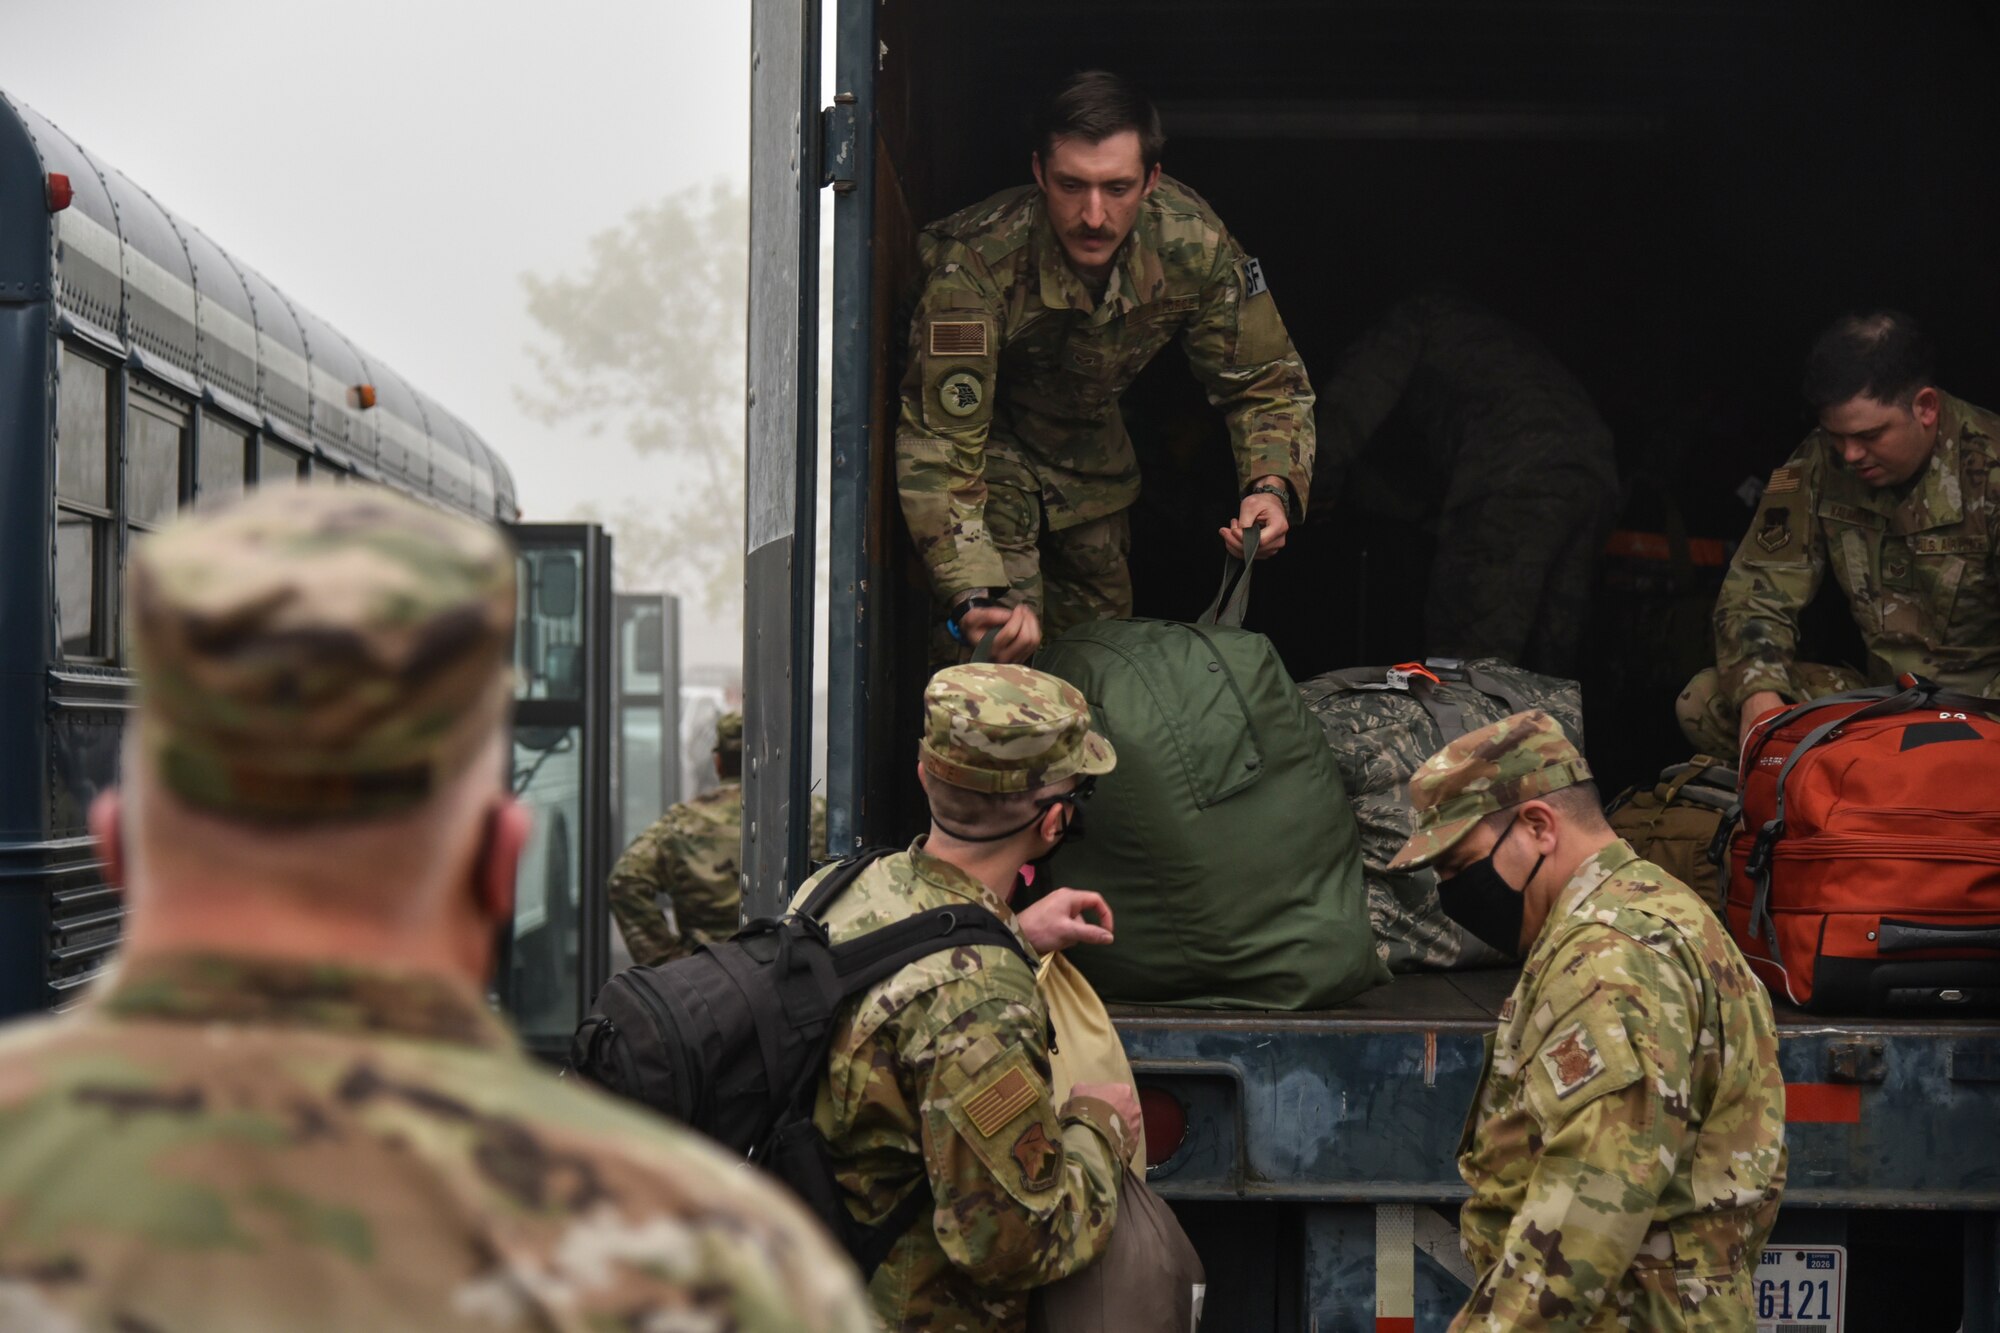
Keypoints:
(1802, 1289)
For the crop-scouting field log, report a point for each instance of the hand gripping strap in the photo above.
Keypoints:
(1228, 607)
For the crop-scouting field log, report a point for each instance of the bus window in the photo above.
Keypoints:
(83, 501)
(225, 452)
(76, 582)
(275, 461)
(156, 432)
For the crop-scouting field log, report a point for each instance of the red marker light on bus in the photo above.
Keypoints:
(59, 192)
(1166, 1123)
(364, 396)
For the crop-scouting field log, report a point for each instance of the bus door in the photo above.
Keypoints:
(556, 957)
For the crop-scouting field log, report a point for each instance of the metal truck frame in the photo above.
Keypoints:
(1315, 1162)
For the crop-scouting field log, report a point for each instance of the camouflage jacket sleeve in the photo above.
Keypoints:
(1370, 380)
(1239, 349)
(1608, 1083)
(1771, 580)
(1024, 1193)
(634, 892)
(947, 409)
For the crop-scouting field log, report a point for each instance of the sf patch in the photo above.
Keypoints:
(1572, 1060)
(1036, 1156)
(960, 393)
(1253, 278)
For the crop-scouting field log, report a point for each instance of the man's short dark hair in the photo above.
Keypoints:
(1881, 354)
(1581, 803)
(1093, 106)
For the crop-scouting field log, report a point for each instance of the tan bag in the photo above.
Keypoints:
(1087, 1048)
(1148, 1280)
(1675, 823)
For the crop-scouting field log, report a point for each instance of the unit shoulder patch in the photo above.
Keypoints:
(1572, 1060)
(960, 393)
(1036, 1155)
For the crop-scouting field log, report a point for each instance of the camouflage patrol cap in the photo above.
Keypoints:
(1000, 728)
(729, 734)
(319, 652)
(1481, 773)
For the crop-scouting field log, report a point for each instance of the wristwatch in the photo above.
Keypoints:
(1283, 493)
(978, 598)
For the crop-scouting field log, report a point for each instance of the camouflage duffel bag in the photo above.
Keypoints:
(1382, 722)
(1680, 824)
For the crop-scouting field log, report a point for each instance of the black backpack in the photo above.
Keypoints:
(733, 1040)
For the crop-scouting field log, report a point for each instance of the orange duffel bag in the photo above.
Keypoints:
(1865, 875)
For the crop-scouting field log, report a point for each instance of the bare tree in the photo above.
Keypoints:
(646, 340)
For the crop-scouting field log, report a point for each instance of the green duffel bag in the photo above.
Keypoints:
(1223, 841)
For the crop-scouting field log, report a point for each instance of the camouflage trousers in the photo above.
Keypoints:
(1070, 577)
(1513, 572)
(1710, 721)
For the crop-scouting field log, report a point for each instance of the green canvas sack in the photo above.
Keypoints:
(1223, 841)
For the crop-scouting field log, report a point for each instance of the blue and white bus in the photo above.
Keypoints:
(144, 369)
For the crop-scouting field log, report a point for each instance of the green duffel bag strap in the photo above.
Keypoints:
(1229, 605)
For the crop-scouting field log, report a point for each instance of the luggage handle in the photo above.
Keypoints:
(1907, 936)
(1228, 607)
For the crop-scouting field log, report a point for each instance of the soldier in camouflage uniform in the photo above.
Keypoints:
(1528, 473)
(1381, 725)
(939, 1076)
(1626, 1146)
(290, 1107)
(1898, 493)
(1042, 304)
(688, 856)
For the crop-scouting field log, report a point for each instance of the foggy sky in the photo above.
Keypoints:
(396, 166)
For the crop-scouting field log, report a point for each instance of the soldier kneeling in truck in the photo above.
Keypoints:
(1898, 494)
(1626, 1146)
(937, 1088)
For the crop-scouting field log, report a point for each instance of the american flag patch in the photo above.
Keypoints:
(958, 337)
(1783, 480)
(999, 1101)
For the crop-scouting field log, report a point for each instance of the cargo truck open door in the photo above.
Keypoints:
(787, 151)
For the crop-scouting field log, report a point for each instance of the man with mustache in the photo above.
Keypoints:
(1041, 306)
(1898, 494)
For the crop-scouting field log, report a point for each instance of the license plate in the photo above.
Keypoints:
(1802, 1289)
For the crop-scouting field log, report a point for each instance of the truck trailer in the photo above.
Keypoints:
(1675, 198)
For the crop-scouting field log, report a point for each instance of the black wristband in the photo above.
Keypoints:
(1283, 492)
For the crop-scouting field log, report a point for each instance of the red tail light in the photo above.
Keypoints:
(1166, 1124)
(59, 192)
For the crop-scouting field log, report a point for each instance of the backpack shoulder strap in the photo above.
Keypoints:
(862, 962)
(1493, 687)
(836, 882)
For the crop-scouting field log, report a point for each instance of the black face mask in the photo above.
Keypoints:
(1490, 909)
